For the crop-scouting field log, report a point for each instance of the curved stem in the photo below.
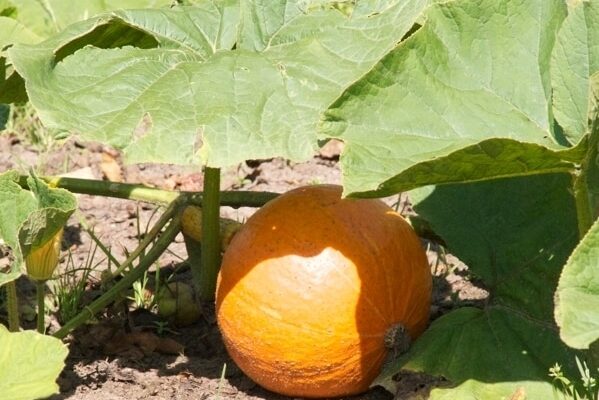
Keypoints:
(165, 239)
(210, 235)
(12, 306)
(40, 287)
(153, 195)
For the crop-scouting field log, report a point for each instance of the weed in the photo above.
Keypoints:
(142, 297)
(162, 328)
(69, 287)
(221, 382)
(565, 388)
(26, 125)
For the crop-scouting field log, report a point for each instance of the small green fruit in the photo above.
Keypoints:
(176, 303)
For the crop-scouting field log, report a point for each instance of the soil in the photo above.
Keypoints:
(126, 352)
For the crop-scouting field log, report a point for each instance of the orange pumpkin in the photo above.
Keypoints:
(312, 287)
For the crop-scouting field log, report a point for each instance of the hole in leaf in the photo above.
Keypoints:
(112, 34)
(415, 28)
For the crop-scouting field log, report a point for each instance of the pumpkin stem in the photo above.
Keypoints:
(397, 340)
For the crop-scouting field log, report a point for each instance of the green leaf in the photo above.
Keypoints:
(515, 235)
(29, 217)
(577, 297)
(47, 17)
(13, 31)
(30, 21)
(489, 159)
(53, 209)
(7, 8)
(31, 363)
(15, 206)
(474, 77)
(226, 81)
(575, 59)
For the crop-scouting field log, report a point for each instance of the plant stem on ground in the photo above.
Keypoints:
(153, 195)
(12, 306)
(161, 244)
(40, 287)
(210, 234)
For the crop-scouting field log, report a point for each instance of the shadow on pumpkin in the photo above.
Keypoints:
(308, 292)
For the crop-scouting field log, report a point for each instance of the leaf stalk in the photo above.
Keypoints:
(140, 192)
(210, 246)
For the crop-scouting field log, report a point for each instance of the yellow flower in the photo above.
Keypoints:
(42, 260)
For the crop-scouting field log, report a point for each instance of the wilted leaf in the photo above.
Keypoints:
(111, 168)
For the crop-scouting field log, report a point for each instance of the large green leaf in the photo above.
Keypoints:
(29, 217)
(30, 21)
(12, 31)
(44, 18)
(31, 362)
(515, 235)
(225, 81)
(575, 59)
(577, 297)
(476, 72)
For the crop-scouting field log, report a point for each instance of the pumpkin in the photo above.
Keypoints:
(313, 287)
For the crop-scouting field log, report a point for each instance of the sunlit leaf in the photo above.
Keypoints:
(222, 83)
(462, 94)
(31, 363)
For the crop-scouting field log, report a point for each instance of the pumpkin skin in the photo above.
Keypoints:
(311, 284)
